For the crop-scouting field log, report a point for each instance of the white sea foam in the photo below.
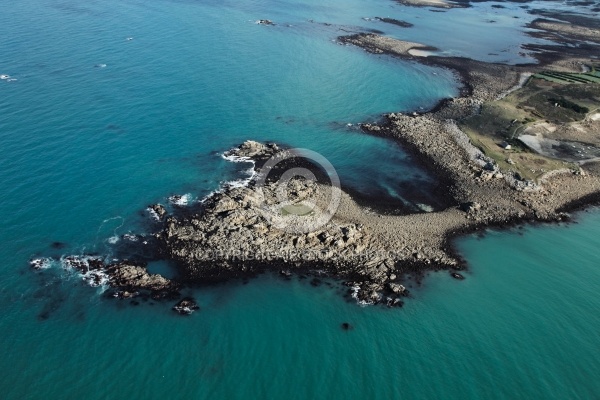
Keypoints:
(234, 158)
(153, 214)
(113, 239)
(354, 295)
(250, 171)
(78, 262)
(131, 237)
(96, 278)
(41, 263)
(425, 207)
(181, 201)
(239, 183)
(208, 196)
(80, 266)
(236, 183)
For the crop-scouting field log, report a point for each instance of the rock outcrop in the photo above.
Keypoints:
(128, 279)
(186, 306)
(136, 277)
(158, 211)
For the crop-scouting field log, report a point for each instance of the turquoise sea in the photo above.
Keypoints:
(94, 127)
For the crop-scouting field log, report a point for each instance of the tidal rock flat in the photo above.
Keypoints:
(378, 44)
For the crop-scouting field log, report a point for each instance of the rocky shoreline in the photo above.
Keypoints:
(374, 253)
(241, 231)
(230, 238)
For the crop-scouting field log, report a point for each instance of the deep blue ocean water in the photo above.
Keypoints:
(95, 127)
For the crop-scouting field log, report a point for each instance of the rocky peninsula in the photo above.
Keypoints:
(282, 221)
(375, 252)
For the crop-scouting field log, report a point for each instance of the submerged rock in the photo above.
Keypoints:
(128, 278)
(186, 306)
(124, 294)
(456, 275)
(40, 263)
(397, 22)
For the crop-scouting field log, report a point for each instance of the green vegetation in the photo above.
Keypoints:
(519, 158)
(543, 105)
(566, 77)
(562, 102)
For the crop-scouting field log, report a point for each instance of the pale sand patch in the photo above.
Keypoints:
(595, 117)
(533, 142)
(428, 3)
(419, 53)
(544, 125)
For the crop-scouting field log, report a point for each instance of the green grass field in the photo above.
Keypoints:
(537, 102)
(566, 78)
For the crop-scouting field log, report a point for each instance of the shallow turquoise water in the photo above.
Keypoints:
(522, 325)
(86, 148)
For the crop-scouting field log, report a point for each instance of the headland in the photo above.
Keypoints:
(486, 178)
